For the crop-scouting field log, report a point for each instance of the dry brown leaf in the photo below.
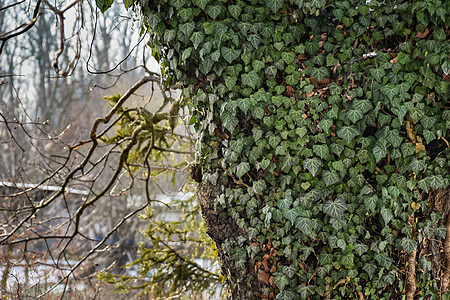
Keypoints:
(264, 277)
(422, 35)
(325, 81)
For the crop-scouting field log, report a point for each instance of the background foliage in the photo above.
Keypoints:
(326, 123)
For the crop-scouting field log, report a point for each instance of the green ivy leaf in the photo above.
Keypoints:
(284, 203)
(291, 214)
(235, 11)
(363, 106)
(259, 186)
(331, 60)
(305, 291)
(274, 140)
(230, 54)
(244, 104)
(103, 5)
(371, 203)
(370, 269)
(319, 73)
(274, 5)
(348, 133)
(251, 79)
(229, 120)
(185, 13)
(254, 39)
(360, 249)
(378, 74)
(281, 281)
(312, 165)
(390, 91)
(354, 115)
(379, 153)
(242, 169)
(305, 225)
(289, 270)
(214, 10)
(197, 38)
(177, 3)
(335, 208)
(409, 245)
(435, 181)
(321, 150)
(386, 213)
(417, 165)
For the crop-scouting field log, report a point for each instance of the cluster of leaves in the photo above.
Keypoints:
(327, 124)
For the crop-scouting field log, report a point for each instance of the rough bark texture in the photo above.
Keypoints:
(243, 283)
(438, 249)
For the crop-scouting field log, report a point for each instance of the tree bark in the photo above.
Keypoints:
(243, 283)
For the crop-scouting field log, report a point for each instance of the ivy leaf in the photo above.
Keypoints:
(185, 13)
(336, 148)
(312, 165)
(281, 281)
(319, 73)
(435, 181)
(409, 245)
(330, 178)
(177, 3)
(326, 124)
(187, 28)
(251, 79)
(428, 122)
(103, 5)
(291, 214)
(255, 40)
(378, 74)
(259, 186)
(288, 57)
(274, 140)
(370, 269)
(284, 203)
(348, 133)
(417, 165)
(371, 203)
(363, 106)
(354, 115)
(305, 225)
(289, 270)
(379, 153)
(230, 82)
(331, 60)
(230, 54)
(242, 169)
(214, 11)
(197, 38)
(440, 232)
(229, 120)
(274, 5)
(305, 291)
(244, 104)
(186, 53)
(386, 213)
(335, 208)
(321, 150)
(390, 91)
(360, 249)
(235, 11)
(237, 145)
